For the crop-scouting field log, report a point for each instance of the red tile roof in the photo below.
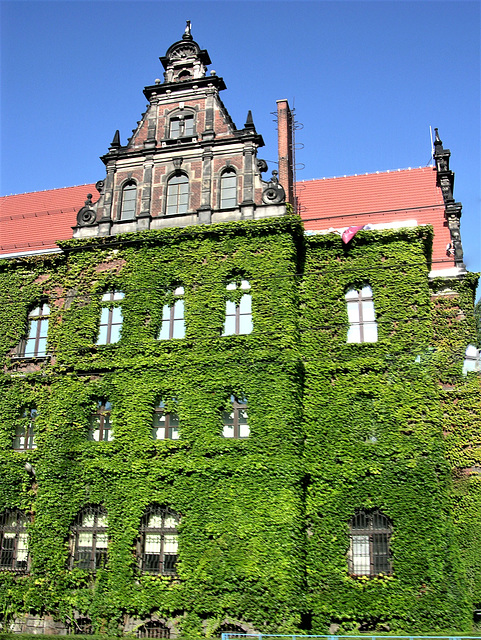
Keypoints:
(35, 221)
(377, 198)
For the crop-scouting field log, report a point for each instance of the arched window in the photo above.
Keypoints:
(35, 344)
(25, 431)
(111, 318)
(228, 189)
(153, 629)
(165, 422)
(129, 201)
(173, 325)
(89, 539)
(235, 419)
(369, 554)
(361, 315)
(13, 541)
(158, 541)
(100, 422)
(182, 126)
(238, 309)
(177, 195)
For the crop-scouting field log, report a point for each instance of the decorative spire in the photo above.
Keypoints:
(115, 144)
(187, 34)
(249, 124)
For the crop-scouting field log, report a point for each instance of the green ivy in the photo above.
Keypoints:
(335, 427)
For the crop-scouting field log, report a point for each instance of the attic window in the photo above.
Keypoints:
(129, 197)
(182, 127)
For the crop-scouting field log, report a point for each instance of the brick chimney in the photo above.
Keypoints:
(284, 144)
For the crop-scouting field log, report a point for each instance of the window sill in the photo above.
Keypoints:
(30, 358)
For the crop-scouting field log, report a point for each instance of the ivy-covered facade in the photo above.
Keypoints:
(227, 424)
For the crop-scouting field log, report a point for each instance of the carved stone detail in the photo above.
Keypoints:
(87, 216)
(274, 192)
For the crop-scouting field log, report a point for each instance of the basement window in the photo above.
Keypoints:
(13, 541)
(235, 420)
(361, 316)
(159, 541)
(153, 629)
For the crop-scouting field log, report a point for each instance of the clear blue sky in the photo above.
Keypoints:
(367, 79)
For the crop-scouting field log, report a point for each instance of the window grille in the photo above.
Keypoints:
(81, 626)
(361, 315)
(182, 127)
(153, 629)
(159, 541)
(129, 201)
(173, 324)
(177, 195)
(25, 431)
(101, 423)
(111, 318)
(35, 344)
(13, 541)
(235, 420)
(165, 424)
(89, 539)
(238, 311)
(228, 189)
(369, 553)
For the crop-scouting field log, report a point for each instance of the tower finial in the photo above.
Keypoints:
(115, 144)
(249, 124)
(187, 34)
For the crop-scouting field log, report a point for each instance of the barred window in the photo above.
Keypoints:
(82, 625)
(153, 629)
(159, 541)
(129, 201)
(35, 344)
(173, 325)
(369, 553)
(228, 189)
(165, 424)
(24, 438)
(235, 419)
(101, 423)
(177, 195)
(89, 539)
(361, 315)
(13, 541)
(238, 309)
(111, 318)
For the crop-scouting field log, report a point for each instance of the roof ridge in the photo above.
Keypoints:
(367, 173)
(27, 193)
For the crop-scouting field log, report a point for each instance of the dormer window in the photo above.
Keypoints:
(129, 200)
(182, 127)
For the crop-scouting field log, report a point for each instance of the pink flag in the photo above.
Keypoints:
(349, 233)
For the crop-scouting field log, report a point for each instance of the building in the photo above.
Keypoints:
(214, 421)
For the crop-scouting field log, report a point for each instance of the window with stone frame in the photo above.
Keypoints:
(361, 315)
(235, 419)
(24, 438)
(34, 345)
(173, 323)
(228, 189)
(89, 539)
(165, 421)
(158, 541)
(238, 309)
(129, 201)
(111, 318)
(100, 429)
(177, 200)
(369, 553)
(13, 541)
(182, 126)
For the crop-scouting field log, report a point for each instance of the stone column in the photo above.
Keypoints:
(143, 219)
(105, 222)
